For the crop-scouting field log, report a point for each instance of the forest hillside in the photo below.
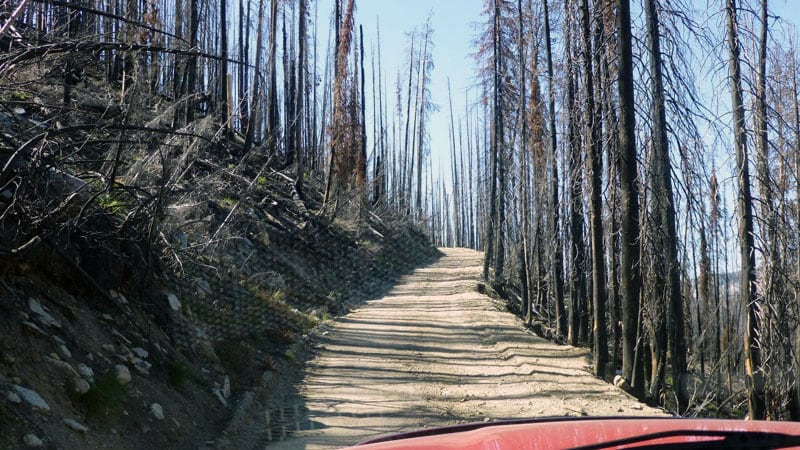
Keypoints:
(156, 267)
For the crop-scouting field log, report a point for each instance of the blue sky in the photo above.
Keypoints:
(454, 23)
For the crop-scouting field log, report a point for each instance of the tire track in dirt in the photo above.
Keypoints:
(436, 352)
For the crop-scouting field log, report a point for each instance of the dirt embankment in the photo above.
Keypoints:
(435, 352)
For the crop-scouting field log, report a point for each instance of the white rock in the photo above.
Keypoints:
(75, 425)
(623, 384)
(14, 398)
(64, 351)
(157, 411)
(63, 365)
(122, 374)
(226, 387)
(140, 352)
(32, 441)
(174, 303)
(119, 335)
(38, 310)
(118, 297)
(32, 398)
(203, 288)
(142, 366)
(81, 386)
(86, 371)
(218, 393)
(108, 348)
(19, 111)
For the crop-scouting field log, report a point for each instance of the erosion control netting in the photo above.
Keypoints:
(254, 258)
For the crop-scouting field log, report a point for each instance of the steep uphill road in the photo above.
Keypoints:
(435, 352)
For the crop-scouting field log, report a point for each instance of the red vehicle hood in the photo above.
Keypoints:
(558, 433)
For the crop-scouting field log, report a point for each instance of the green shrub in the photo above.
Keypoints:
(105, 397)
(20, 96)
(235, 356)
(180, 373)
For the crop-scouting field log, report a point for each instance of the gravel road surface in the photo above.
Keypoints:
(436, 352)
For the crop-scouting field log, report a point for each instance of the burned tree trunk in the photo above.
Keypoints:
(748, 294)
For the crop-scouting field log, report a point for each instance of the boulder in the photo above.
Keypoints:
(120, 336)
(62, 365)
(41, 314)
(86, 372)
(174, 303)
(76, 426)
(118, 297)
(32, 441)
(122, 374)
(64, 352)
(81, 386)
(32, 398)
(13, 397)
(142, 366)
(226, 387)
(623, 384)
(157, 411)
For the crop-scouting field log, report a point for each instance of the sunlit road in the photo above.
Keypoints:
(435, 352)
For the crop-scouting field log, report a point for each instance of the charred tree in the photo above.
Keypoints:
(594, 151)
(667, 268)
(748, 294)
(630, 271)
(577, 272)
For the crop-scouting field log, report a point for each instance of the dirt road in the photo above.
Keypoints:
(435, 352)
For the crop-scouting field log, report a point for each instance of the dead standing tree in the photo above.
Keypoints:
(630, 271)
(577, 273)
(594, 151)
(665, 234)
(557, 258)
(748, 286)
(345, 131)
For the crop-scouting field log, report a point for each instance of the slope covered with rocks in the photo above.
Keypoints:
(154, 276)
